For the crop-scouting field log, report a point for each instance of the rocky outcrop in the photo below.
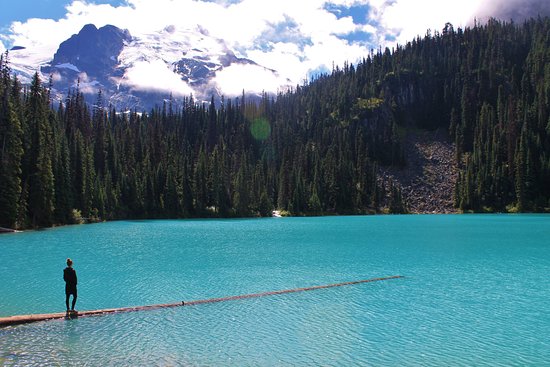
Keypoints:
(92, 51)
(427, 181)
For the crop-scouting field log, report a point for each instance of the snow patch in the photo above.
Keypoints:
(27, 61)
(67, 66)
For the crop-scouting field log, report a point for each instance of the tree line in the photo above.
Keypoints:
(314, 149)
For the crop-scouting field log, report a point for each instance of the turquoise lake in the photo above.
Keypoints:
(476, 291)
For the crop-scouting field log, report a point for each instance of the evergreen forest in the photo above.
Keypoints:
(313, 150)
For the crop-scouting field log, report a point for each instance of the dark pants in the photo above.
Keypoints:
(68, 292)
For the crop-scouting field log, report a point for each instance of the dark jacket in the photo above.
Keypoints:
(69, 276)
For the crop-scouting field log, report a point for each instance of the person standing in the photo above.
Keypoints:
(69, 276)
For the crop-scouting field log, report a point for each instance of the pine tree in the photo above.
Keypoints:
(40, 179)
(241, 194)
(200, 183)
(11, 152)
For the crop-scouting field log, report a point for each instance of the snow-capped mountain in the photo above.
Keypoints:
(141, 71)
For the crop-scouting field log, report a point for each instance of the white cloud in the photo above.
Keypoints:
(47, 34)
(287, 54)
(250, 78)
(406, 19)
(293, 37)
(155, 75)
(241, 25)
(518, 10)
(56, 76)
(335, 50)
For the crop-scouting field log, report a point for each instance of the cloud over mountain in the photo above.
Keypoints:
(516, 10)
(296, 38)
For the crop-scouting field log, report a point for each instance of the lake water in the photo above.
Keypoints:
(476, 292)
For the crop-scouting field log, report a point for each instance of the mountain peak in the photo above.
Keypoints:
(137, 72)
(88, 28)
(91, 45)
(91, 57)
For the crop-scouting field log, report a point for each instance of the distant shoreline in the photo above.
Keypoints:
(276, 214)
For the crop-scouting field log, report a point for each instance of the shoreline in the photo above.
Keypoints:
(278, 214)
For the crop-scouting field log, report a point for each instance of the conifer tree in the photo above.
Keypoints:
(40, 177)
(11, 152)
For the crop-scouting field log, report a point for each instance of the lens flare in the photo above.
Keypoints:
(260, 128)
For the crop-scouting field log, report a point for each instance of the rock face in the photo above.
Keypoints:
(427, 182)
(88, 59)
(94, 51)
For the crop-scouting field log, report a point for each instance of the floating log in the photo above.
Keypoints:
(24, 319)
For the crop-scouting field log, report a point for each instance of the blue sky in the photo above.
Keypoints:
(22, 10)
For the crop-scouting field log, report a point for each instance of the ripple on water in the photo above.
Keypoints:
(466, 300)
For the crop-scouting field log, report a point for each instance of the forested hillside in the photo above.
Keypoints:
(314, 150)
